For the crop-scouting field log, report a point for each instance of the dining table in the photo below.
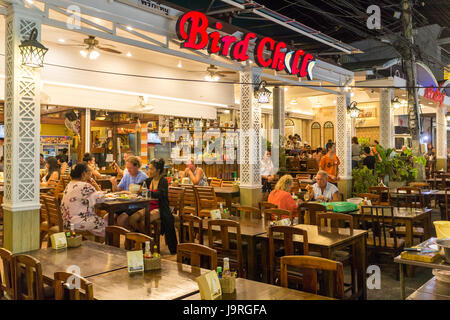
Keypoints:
(327, 240)
(433, 289)
(227, 193)
(89, 259)
(254, 290)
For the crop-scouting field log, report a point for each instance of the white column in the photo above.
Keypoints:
(441, 138)
(87, 130)
(22, 136)
(343, 143)
(386, 119)
(250, 143)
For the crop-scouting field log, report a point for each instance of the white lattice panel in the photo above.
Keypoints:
(343, 137)
(386, 119)
(22, 116)
(441, 132)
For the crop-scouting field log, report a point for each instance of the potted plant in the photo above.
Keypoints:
(363, 178)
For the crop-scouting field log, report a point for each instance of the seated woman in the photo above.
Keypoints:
(322, 190)
(62, 161)
(90, 160)
(79, 200)
(53, 171)
(159, 206)
(281, 194)
(195, 175)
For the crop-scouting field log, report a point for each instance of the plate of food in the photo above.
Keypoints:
(110, 197)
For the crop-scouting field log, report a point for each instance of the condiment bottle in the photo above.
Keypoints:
(226, 268)
(72, 230)
(147, 253)
(155, 251)
(219, 272)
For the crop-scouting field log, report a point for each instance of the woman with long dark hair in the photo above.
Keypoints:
(90, 160)
(53, 171)
(159, 206)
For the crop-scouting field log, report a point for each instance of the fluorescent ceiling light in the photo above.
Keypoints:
(130, 28)
(180, 65)
(129, 54)
(61, 40)
(94, 55)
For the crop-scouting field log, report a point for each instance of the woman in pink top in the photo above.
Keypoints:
(281, 195)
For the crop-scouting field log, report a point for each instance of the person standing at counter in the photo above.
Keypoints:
(90, 160)
(159, 206)
(195, 175)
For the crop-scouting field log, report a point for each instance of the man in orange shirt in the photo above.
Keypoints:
(330, 163)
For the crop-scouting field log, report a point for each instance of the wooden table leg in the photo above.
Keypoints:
(409, 243)
(111, 222)
(427, 226)
(265, 260)
(402, 281)
(361, 265)
(328, 281)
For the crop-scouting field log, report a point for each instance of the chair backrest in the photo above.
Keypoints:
(227, 183)
(194, 252)
(69, 286)
(335, 220)
(249, 212)
(409, 190)
(270, 214)
(381, 222)
(313, 209)
(206, 199)
(28, 281)
(65, 180)
(53, 211)
(215, 182)
(225, 248)
(383, 192)
(264, 205)
(374, 198)
(311, 165)
(194, 228)
(313, 264)
(116, 232)
(422, 185)
(410, 197)
(7, 284)
(302, 176)
(43, 210)
(136, 241)
(190, 200)
(295, 186)
(176, 196)
(447, 204)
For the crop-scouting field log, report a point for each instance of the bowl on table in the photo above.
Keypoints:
(134, 188)
(355, 200)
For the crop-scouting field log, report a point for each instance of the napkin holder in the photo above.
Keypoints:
(228, 284)
(58, 240)
(209, 286)
(135, 261)
(152, 263)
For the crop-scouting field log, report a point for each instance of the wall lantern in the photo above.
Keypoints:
(353, 110)
(32, 51)
(395, 103)
(262, 93)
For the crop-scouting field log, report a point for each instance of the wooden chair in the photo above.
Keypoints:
(176, 196)
(28, 280)
(383, 192)
(193, 254)
(192, 232)
(227, 247)
(43, 228)
(382, 237)
(312, 209)
(206, 200)
(215, 182)
(116, 232)
(7, 284)
(64, 292)
(288, 247)
(311, 165)
(227, 184)
(314, 264)
(303, 176)
(374, 198)
(136, 241)
(264, 205)
(295, 186)
(65, 181)
(413, 197)
(420, 185)
(249, 212)
(279, 214)
(55, 222)
(190, 200)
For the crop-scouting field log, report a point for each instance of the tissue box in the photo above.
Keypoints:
(152, 264)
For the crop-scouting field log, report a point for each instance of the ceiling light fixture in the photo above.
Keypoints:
(212, 78)
(129, 28)
(353, 110)
(32, 51)
(129, 54)
(61, 40)
(294, 102)
(180, 65)
(262, 93)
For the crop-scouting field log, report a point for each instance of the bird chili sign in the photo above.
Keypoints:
(191, 30)
(435, 95)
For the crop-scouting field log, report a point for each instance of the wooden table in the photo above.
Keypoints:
(173, 281)
(327, 240)
(119, 206)
(250, 228)
(253, 290)
(92, 258)
(403, 263)
(42, 189)
(228, 194)
(432, 290)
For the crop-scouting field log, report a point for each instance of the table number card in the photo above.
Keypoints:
(58, 240)
(209, 286)
(135, 261)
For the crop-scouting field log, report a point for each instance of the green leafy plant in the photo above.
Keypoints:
(363, 178)
(364, 142)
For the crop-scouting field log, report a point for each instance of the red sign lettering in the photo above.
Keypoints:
(191, 30)
(434, 95)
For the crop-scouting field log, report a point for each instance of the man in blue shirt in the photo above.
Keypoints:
(133, 176)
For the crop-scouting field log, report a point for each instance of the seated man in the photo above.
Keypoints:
(323, 190)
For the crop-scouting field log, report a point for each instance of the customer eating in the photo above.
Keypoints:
(281, 194)
(195, 174)
(323, 190)
(90, 160)
(53, 171)
(159, 205)
(79, 200)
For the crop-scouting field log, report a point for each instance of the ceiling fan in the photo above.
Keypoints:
(91, 45)
(214, 74)
(144, 105)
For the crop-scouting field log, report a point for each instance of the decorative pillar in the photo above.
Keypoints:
(343, 144)
(386, 119)
(22, 136)
(250, 142)
(87, 131)
(441, 138)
